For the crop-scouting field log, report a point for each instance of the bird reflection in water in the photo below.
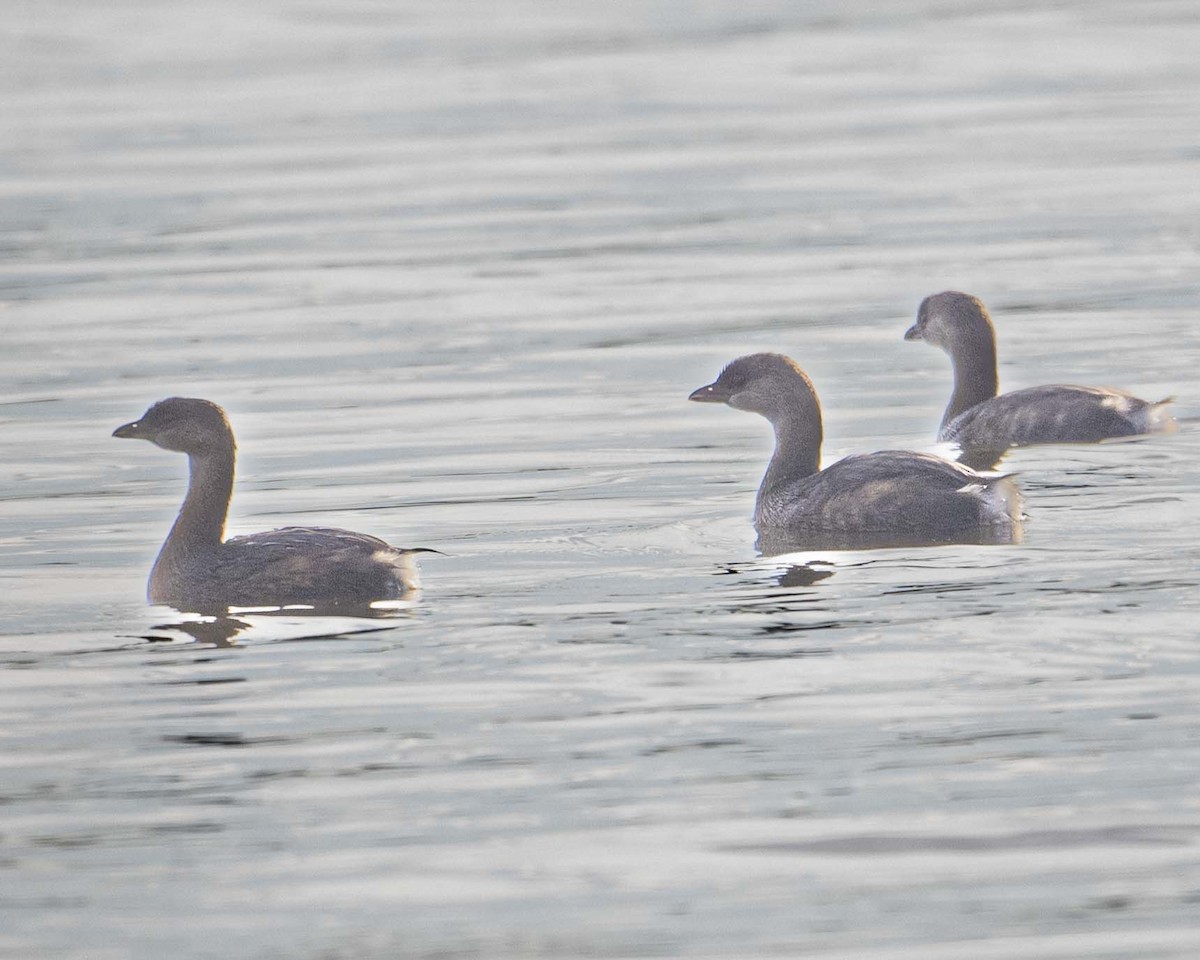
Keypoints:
(981, 458)
(775, 541)
(224, 628)
(803, 575)
(788, 597)
(800, 573)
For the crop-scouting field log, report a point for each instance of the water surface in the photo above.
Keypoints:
(453, 270)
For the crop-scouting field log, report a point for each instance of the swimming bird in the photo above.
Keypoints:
(200, 571)
(978, 419)
(889, 498)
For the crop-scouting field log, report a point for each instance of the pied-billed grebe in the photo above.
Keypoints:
(890, 498)
(978, 419)
(198, 570)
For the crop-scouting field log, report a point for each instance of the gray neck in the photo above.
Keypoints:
(797, 454)
(975, 379)
(200, 526)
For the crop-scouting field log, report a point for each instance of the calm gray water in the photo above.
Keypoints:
(453, 269)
